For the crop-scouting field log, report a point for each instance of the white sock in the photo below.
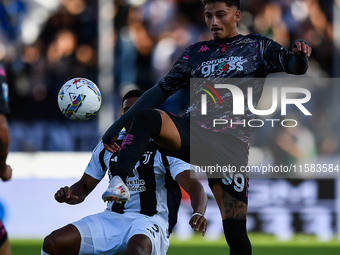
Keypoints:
(43, 253)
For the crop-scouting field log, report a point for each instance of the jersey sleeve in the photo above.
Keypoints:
(179, 75)
(96, 167)
(177, 166)
(4, 105)
(275, 55)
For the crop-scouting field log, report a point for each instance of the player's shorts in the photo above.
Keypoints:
(108, 232)
(3, 234)
(209, 149)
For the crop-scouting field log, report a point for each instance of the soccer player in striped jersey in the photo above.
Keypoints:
(194, 138)
(141, 225)
(5, 170)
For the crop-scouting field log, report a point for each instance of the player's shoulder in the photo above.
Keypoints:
(99, 147)
(258, 37)
(177, 163)
(167, 161)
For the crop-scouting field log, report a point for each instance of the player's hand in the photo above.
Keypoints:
(302, 46)
(112, 147)
(198, 222)
(6, 174)
(64, 195)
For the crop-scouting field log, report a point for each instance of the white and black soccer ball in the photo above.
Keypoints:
(79, 99)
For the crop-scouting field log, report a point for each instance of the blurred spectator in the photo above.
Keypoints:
(65, 48)
(293, 145)
(149, 35)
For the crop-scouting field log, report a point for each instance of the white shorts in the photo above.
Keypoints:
(108, 232)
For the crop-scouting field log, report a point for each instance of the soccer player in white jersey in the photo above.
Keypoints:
(143, 224)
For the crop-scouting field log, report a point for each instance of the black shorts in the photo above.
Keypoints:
(219, 155)
(3, 234)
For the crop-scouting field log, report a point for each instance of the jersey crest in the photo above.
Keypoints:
(223, 48)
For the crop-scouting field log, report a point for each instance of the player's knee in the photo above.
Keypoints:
(137, 250)
(139, 245)
(148, 115)
(50, 244)
(5, 248)
(150, 118)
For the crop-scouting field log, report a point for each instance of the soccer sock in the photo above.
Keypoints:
(147, 123)
(235, 233)
(43, 253)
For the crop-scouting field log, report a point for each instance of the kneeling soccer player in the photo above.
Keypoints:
(140, 225)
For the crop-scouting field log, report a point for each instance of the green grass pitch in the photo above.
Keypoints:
(262, 245)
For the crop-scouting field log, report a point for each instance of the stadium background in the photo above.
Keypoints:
(121, 44)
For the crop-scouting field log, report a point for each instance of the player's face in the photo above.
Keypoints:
(127, 105)
(221, 19)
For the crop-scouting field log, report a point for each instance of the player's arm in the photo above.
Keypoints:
(280, 59)
(78, 191)
(5, 170)
(190, 183)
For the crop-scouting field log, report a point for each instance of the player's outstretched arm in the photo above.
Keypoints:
(150, 99)
(190, 183)
(78, 191)
(298, 63)
(5, 170)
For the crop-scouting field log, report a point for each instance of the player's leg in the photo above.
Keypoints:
(147, 235)
(230, 188)
(63, 241)
(147, 123)
(139, 245)
(5, 249)
(234, 216)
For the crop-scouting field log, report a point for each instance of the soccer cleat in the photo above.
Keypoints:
(117, 191)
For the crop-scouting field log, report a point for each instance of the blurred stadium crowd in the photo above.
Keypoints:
(45, 43)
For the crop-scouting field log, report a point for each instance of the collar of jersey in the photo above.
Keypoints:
(229, 39)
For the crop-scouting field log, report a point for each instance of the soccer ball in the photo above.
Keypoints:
(79, 99)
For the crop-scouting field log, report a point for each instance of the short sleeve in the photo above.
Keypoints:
(95, 168)
(177, 166)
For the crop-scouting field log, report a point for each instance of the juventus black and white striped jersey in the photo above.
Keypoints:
(152, 188)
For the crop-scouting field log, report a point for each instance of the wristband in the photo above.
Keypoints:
(196, 214)
(300, 40)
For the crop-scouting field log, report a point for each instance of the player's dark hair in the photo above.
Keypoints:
(228, 2)
(133, 93)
